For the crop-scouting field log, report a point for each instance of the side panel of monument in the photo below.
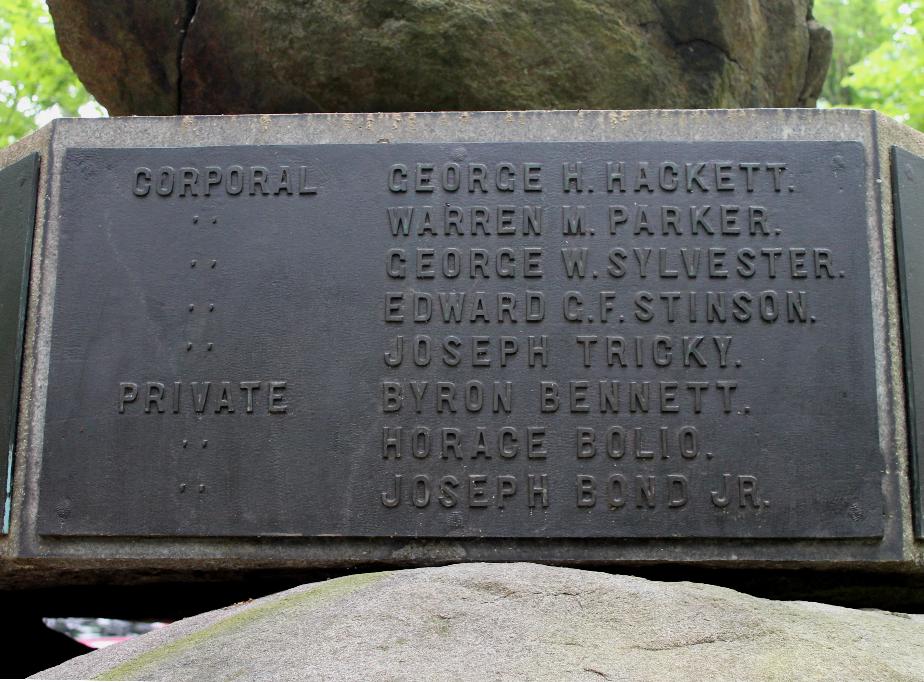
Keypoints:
(18, 196)
(907, 185)
(578, 337)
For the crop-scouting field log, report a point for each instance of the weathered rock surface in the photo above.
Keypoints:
(516, 622)
(279, 56)
(128, 52)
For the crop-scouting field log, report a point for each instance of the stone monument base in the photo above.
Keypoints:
(515, 621)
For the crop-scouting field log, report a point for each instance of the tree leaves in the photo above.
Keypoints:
(36, 82)
(878, 56)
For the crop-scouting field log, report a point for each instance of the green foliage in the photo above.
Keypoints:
(36, 82)
(878, 58)
(891, 78)
(858, 30)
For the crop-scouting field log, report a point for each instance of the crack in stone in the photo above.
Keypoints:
(192, 6)
(677, 44)
(710, 44)
(667, 646)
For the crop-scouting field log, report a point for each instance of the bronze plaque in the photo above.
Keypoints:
(638, 340)
(18, 188)
(908, 196)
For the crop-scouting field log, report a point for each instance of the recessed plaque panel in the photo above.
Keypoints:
(908, 194)
(623, 340)
(18, 185)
